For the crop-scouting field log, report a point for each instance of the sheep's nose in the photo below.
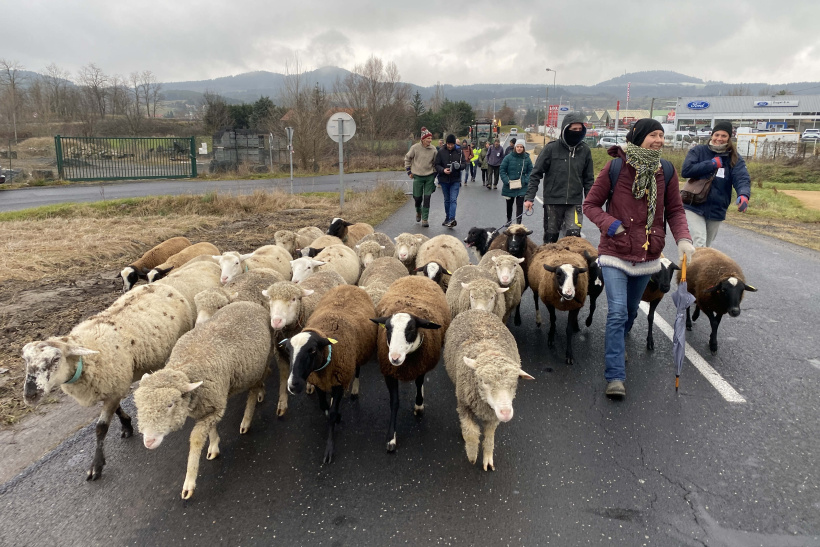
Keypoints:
(505, 414)
(277, 323)
(224, 279)
(734, 312)
(402, 256)
(395, 358)
(505, 279)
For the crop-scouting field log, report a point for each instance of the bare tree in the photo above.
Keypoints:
(307, 112)
(95, 83)
(150, 90)
(739, 91)
(437, 99)
(11, 80)
(56, 81)
(216, 115)
(118, 95)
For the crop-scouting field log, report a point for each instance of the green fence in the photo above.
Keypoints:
(118, 158)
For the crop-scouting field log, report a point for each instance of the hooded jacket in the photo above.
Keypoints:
(698, 164)
(567, 171)
(515, 165)
(446, 157)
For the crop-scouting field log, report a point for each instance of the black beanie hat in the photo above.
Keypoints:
(723, 126)
(643, 127)
(451, 139)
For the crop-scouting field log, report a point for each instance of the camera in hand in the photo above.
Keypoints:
(455, 166)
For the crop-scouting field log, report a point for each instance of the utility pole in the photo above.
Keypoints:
(652, 107)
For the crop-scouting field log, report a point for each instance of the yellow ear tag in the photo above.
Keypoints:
(448, 272)
(382, 325)
(332, 341)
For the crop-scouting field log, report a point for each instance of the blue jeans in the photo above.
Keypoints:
(450, 192)
(623, 294)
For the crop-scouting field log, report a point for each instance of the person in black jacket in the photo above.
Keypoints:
(566, 167)
(449, 166)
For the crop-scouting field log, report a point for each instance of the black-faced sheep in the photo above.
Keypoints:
(507, 269)
(407, 247)
(475, 288)
(411, 305)
(718, 285)
(293, 242)
(153, 257)
(658, 285)
(223, 357)
(590, 253)
(478, 240)
(440, 257)
(559, 277)
(349, 232)
(379, 275)
(516, 241)
(182, 258)
(337, 339)
(267, 256)
(481, 357)
(339, 258)
(102, 356)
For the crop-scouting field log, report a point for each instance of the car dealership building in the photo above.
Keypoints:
(797, 112)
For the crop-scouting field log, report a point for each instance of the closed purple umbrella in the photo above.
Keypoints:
(682, 299)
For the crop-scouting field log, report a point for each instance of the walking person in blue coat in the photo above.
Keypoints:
(721, 158)
(516, 165)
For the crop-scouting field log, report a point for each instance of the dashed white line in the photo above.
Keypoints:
(539, 200)
(722, 386)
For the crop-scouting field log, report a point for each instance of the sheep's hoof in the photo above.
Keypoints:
(354, 396)
(689, 327)
(260, 396)
(418, 410)
(588, 322)
(127, 432)
(570, 361)
(650, 345)
(328, 456)
(214, 453)
(488, 463)
(243, 429)
(96, 471)
(309, 389)
(186, 494)
(391, 444)
(281, 408)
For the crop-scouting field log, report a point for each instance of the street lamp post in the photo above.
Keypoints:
(554, 74)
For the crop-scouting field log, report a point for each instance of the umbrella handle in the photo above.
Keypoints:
(683, 269)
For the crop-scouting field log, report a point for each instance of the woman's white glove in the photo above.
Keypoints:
(685, 248)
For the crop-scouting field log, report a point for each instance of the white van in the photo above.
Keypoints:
(513, 132)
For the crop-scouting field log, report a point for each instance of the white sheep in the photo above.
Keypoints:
(293, 242)
(320, 243)
(340, 258)
(509, 272)
(382, 239)
(178, 260)
(191, 280)
(368, 251)
(481, 358)
(407, 247)
(440, 257)
(102, 356)
(267, 256)
(246, 287)
(153, 257)
(337, 339)
(472, 287)
(290, 306)
(225, 356)
(379, 275)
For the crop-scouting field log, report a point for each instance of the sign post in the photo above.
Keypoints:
(341, 127)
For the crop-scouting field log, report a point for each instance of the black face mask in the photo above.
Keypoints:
(572, 138)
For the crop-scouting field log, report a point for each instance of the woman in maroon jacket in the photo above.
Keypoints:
(633, 234)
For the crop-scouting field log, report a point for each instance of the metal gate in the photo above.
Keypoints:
(118, 158)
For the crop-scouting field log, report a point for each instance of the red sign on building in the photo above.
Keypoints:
(552, 119)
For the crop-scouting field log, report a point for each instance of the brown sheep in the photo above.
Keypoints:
(559, 277)
(182, 258)
(153, 257)
(410, 304)
(590, 253)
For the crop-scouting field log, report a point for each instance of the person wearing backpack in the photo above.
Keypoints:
(566, 167)
(642, 200)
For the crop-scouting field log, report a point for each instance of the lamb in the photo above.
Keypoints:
(369, 251)
(227, 355)
(153, 257)
(340, 322)
(472, 287)
(382, 239)
(590, 253)
(510, 274)
(481, 358)
(102, 356)
(290, 307)
(559, 278)
(191, 280)
(407, 247)
(348, 232)
(515, 240)
(246, 287)
(410, 304)
(340, 258)
(658, 285)
(318, 244)
(292, 242)
(267, 256)
(718, 284)
(181, 258)
(379, 275)
(478, 240)
(441, 256)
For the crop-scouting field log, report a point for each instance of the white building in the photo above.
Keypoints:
(796, 112)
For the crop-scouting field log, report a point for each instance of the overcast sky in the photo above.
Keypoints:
(504, 41)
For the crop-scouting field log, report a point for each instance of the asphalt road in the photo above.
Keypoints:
(573, 467)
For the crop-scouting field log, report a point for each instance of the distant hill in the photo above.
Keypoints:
(652, 77)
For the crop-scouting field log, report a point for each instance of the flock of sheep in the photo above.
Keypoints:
(317, 306)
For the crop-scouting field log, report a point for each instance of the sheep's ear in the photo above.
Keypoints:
(318, 262)
(713, 289)
(419, 269)
(357, 246)
(78, 351)
(521, 260)
(550, 268)
(673, 266)
(469, 362)
(190, 387)
(494, 259)
(265, 293)
(528, 232)
(143, 272)
(500, 290)
(524, 375)
(749, 288)
(465, 285)
(233, 296)
(216, 257)
(307, 292)
(380, 320)
(245, 256)
(583, 270)
(382, 246)
(145, 376)
(425, 324)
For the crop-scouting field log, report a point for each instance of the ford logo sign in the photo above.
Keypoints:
(762, 103)
(564, 109)
(697, 105)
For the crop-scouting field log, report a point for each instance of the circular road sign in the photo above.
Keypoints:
(348, 127)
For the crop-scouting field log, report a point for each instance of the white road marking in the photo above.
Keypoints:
(539, 200)
(722, 386)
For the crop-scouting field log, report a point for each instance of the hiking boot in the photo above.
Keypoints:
(418, 217)
(615, 388)
(425, 224)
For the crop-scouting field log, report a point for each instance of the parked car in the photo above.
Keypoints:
(606, 142)
(811, 135)
(705, 132)
(513, 132)
(2, 176)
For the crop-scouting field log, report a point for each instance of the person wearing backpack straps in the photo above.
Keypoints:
(633, 233)
(718, 158)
